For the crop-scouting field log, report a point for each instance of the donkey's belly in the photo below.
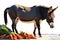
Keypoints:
(27, 17)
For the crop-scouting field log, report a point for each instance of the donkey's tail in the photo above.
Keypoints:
(5, 15)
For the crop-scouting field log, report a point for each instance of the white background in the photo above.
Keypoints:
(28, 27)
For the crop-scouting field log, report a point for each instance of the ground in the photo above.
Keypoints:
(49, 37)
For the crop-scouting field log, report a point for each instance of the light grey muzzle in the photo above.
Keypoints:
(51, 25)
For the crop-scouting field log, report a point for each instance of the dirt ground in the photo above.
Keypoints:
(49, 37)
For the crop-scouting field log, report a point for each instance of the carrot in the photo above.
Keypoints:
(26, 36)
(7, 36)
(0, 36)
(3, 36)
(29, 36)
(19, 36)
(14, 37)
(33, 37)
(11, 36)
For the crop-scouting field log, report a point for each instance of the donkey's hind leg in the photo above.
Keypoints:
(14, 22)
(34, 29)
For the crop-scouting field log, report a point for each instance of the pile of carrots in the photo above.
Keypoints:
(19, 36)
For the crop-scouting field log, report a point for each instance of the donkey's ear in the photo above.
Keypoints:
(50, 7)
(53, 9)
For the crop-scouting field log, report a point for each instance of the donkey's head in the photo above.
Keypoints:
(50, 16)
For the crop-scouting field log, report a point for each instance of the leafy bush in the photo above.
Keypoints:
(4, 30)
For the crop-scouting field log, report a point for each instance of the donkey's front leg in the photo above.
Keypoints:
(38, 26)
(16, 20)
(15, 28)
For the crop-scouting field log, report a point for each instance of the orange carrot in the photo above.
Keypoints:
(14, 37)
(3, 36)
(19, 36)
(33, 37)
(7, 36)
(11, 36)
(29, 36)
(0, 36)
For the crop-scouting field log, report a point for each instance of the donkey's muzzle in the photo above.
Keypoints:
(51, 25)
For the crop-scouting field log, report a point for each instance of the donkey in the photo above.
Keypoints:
(35, 13)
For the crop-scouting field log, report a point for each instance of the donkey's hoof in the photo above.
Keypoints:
(34, 35)
(40, 36)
